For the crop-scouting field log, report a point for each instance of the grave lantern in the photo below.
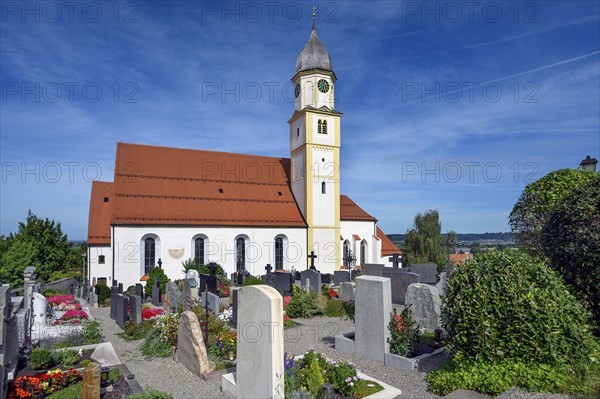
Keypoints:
(588, 164)
(438, 334)
(104, 379)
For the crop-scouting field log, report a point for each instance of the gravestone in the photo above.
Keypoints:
(425, 304)
(91, 381)
(212, 301)
(114, 291)
(442, 284)
(346, 292)
(139, 290)
(193, 274)
(428, 272)
(355, 273)
(5, 314)
(156, 292)
(173, 297)
(120, 286)
(373, 307)
(234, 306)
(341, 276)
(208, 283)
(314, 279)
(40, 307)
(122, 307)
(190, 293)
(191, 351)
(297, 276)
(282, 282)
(400, 279)
(372, 269)
(135, 308)
(259, 370)
(325, 278)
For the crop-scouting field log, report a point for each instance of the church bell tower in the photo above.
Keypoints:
(315, 151)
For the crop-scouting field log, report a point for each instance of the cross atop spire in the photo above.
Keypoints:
(314, 15)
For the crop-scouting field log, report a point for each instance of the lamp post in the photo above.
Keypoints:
(588, 164)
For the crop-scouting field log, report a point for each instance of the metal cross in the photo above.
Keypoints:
(314, 10)
(212, 266)
(159, 263)
(396, 259)
(268, 268)
(312, 258)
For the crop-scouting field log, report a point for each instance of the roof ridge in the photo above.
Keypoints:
(200, 180)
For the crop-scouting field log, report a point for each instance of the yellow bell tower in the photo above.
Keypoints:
(315, 152)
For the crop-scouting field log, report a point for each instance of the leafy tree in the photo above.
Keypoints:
(53, 256)
(571, 240)
(537, 201)
(14, 261)
(423, 243)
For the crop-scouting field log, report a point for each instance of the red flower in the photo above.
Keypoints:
(286, 301)
(150, 313)
(332, 293)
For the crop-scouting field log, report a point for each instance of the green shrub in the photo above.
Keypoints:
(312, 376)
(134, 332)
(154, 346)
(91, 332)
(151, 394)
(131, 290)
(49, 292)
(156, 273)
(41, 359)
(84, 363)
(508, 305)
(103, 292)
(338, 374)
(304, 305)
(348, 307)
(68, 358)
(335, 308)
(251, 280)
(495, 378)
(71, 392)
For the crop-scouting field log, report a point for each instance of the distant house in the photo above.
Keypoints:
(459, 259)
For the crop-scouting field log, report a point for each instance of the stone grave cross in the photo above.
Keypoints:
(159, 263)
(312, 258)
(268, 268)
(396, 259)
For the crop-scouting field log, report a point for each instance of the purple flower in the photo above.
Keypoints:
(348, 379)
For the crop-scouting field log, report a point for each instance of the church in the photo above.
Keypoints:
(166, 205)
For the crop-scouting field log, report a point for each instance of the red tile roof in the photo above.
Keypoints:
(459, 259)
(356, 237)
(350, 211)
(100, 213)
(387, 246)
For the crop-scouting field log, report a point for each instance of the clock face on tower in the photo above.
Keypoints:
(297, 90)
(323, 86)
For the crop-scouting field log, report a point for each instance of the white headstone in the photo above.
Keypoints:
(40, 307)
(259, 371)
(192, 273)
(373, 308)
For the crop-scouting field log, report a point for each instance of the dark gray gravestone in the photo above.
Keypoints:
(208, 282)
(325, 278)
(114, 291)
(120, 288)
(341, 276)
(122, 306)
(139, 290)
(428, 272)
(297, 276)
(234, 308)
(372, 269)
(354, 273)
(135, 308)
(282, 282)
(346, 292)
(400, 282)
(156, 292)
(314, 279)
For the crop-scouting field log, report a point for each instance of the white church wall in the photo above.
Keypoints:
(366, 231)
(220, 248)
(326, 249)
(298, 134)
(99, 267)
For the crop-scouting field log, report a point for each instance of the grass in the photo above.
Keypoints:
(363, 389)
(70, 392)
(334, 308)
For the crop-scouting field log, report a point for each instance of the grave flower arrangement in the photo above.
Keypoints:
(71, 317)
(63, 302)
(308, 374)
(223, 290)
(404, 334)
(42, 385)
(150, 313)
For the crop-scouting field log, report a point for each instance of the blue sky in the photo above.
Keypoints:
(447, 105)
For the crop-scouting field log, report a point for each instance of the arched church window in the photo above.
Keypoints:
(149, 254)
(324, 127)
(240, 248)
(279, 253)
(323, 188)
(199, 251)
(320, 126)
(363, 252)
(346, 257)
